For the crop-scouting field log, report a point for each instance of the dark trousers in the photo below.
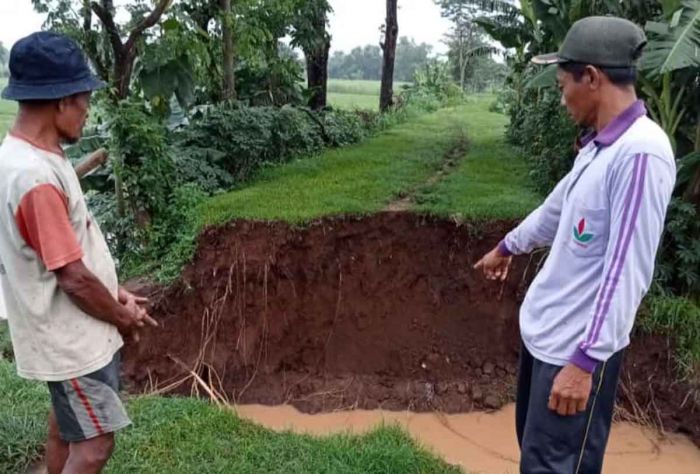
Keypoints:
(554, 444)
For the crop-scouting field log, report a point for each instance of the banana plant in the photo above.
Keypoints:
(674, 47)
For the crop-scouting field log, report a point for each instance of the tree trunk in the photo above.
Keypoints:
(125, 52)
(229, 92)
(123, 70)
(386, 97)
(462, 71)
(317, 75)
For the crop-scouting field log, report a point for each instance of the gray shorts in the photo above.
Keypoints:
(89, 406)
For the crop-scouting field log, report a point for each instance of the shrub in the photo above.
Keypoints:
(545, 136)
(679, 261)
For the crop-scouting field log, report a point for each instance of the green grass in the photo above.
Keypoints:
(7, 111)
(350, 94)
(358, 179)
(23, 410)
(353, 101)
(181, 435)
(364, 178)
(491, 182)
(359, 87)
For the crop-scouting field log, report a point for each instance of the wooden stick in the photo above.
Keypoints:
(91, 163)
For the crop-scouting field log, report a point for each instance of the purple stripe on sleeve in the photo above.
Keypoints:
(618, 247)
(625, 248)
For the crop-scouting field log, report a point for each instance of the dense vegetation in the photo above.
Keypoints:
(669, 82)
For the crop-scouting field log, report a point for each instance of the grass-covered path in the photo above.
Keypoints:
(489, 182)
(185, 435)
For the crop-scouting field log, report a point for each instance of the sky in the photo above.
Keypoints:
(353, 22)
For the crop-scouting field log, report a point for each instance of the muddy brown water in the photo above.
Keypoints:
(485, 442)
(382, 312)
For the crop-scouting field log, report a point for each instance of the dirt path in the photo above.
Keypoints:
(485, 443)
(450, 159)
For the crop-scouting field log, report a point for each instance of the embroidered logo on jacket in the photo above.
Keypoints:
(580, 234)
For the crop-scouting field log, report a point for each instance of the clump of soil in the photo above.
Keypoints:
(377, 312)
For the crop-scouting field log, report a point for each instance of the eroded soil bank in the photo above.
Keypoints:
(376, 312)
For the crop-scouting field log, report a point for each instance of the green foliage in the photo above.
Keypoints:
(545, 136)
(680, 319)
(679, 264)
(359, 179)
(362, 63)
(341, 86)
(241, 140)
(675, 44)
(23, 416)
(365, 63)
(310, 21)
(141, 162)
(433, 84)
(170, 237)
(169, 66)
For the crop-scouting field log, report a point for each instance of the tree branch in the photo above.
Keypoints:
(107, 20)
(147, 22)
(87, 16)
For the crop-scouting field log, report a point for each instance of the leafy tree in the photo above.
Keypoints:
(466, 38)
(361, 63)
(116, 63)
(366, 62)
(410, 57)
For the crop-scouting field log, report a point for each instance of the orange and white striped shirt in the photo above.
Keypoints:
(45, 225)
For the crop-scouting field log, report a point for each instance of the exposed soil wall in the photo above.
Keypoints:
(383, 311)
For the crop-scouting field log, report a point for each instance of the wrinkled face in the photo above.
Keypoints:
(71, 116)
(580, 96)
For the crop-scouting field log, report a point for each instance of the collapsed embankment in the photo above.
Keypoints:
(383, 311)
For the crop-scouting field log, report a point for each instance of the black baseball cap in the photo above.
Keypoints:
(47, 66)
(604, 41)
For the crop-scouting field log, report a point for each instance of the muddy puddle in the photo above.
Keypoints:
(485, 443)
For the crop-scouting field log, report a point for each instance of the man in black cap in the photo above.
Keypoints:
(66, 312)
(603, 222)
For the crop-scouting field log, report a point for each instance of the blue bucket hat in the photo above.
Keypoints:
(48, 66)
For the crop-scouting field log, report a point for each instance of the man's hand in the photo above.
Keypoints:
(134, 304)
(494, 265)
(570, 391)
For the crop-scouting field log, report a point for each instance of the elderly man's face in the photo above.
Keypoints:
(72, 115)
(580, 95)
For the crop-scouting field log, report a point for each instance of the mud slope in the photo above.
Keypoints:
(383, 311)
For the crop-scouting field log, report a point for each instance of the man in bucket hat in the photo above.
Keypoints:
(67, 314)
(603, 223)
